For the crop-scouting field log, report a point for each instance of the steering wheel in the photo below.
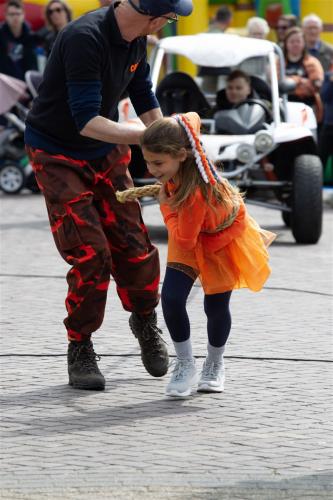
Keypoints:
(252, 102)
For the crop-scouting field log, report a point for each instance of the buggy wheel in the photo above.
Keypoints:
(286, 217)
(307, 206)
(12, 178)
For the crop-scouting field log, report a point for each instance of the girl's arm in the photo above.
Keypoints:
(185, 224)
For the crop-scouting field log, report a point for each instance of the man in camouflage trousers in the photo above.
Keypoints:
(80, 157)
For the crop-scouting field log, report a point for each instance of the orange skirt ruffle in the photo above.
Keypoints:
(239, 262)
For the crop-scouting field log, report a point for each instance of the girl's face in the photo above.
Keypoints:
(163, 166)
(295, 45)
(237, 90)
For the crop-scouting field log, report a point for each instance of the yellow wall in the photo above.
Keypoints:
(78, 7)
(323, 9)
(197, 22)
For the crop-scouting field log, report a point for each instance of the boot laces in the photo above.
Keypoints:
(87, 357)
(150, 333)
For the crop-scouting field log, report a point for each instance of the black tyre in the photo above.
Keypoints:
(12, 178)
(307, 205)
(286, 217)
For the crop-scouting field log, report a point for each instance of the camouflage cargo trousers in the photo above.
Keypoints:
(97, 236)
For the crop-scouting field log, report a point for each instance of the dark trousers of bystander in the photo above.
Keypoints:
(325, 146)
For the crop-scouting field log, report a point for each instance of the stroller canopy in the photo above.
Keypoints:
(11, 90)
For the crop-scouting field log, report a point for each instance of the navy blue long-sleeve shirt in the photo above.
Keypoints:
(90, 68)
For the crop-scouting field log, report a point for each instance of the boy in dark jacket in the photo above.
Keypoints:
(17, 42)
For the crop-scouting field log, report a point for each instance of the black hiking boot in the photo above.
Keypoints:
(154, 353)
(82, 367)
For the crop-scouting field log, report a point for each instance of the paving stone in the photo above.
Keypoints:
(267, 436)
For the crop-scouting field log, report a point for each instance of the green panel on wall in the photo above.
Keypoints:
(221, 2)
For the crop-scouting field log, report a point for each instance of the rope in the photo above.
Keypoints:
(227, 222)
(137, 192)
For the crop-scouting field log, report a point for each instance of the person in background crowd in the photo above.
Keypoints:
(238, 89)
(284, 22)
(257, 27)
(326, 133)
(312, 27)
(57, 15)
(221, 21)
(17, 42)
(305, 70)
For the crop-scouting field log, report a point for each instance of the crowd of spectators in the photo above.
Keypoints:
(309, 60)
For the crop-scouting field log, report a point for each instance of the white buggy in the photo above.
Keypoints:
(266, 145)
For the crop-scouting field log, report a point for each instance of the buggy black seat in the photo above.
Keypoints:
(178, 93)
(261, 88)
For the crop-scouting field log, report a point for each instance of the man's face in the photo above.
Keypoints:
(14, 17)
(281, 29)
(237, 90)
(257, 33)
(155, 24)
(311, 32)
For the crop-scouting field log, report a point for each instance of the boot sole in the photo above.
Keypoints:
(157, 374)
(84, 387)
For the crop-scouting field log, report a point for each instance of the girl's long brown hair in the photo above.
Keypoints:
(166, 136)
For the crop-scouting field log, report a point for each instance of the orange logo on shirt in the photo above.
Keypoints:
(133, 67)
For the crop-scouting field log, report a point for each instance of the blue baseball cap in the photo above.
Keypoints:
(157, 8)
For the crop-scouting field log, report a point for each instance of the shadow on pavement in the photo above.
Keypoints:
(72, 416)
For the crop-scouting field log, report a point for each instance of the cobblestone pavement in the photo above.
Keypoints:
(267, 436)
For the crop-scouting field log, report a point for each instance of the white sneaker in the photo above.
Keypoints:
(212, 377)
(183, 377)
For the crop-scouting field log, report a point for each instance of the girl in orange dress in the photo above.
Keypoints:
(210, 236)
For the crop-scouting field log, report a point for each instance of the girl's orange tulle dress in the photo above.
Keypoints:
(235, 257)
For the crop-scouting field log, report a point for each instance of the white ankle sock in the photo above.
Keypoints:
(183, 349)
(215, 354)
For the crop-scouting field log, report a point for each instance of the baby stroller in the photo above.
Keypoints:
(15, 170)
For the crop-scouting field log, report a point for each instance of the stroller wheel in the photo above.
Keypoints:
(12, 178)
